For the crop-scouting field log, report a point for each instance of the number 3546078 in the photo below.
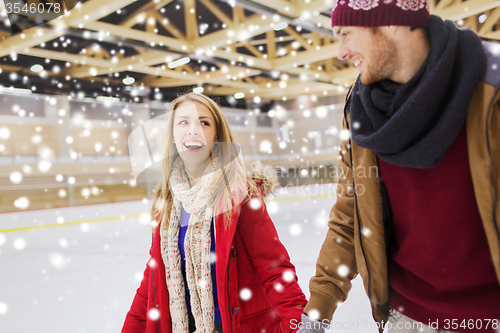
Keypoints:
(32, 8)
(471, 324)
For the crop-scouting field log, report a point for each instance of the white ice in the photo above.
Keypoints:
(82, 277)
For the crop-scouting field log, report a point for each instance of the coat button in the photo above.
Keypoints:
(233, 253)
(236, 309)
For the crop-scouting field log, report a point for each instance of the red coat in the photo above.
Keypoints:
(249, 255)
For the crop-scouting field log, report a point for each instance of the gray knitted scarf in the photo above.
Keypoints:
(414, 124)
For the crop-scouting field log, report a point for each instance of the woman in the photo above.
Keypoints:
(216, 264)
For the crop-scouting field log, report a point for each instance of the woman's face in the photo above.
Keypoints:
(194, 129)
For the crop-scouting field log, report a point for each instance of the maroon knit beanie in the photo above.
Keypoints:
(376, 13)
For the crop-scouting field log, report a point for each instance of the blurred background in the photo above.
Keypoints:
(72, 89)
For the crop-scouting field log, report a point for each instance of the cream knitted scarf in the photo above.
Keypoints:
(196, 247)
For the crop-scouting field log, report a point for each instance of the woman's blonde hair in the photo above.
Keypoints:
(222, 198)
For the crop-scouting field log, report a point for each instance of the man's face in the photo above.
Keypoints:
(370, 50)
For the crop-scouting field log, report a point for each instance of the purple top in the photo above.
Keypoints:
(182, 236)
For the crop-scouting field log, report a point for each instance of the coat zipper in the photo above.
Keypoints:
(154, 290)
(357, 211)
(491, 168)
(228, 294)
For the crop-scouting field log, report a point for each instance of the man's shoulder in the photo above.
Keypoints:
(492, 51)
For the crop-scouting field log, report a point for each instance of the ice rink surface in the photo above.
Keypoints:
(76, 269)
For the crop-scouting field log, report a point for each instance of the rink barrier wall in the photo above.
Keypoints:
(129, 216)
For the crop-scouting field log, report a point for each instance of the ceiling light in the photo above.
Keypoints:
(36, 68)
(107, 99)
(280, 26)
(179, 62)
(198, 90)
(239, 95)
(128, 80)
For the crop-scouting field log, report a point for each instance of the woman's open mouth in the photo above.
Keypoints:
(193, 146)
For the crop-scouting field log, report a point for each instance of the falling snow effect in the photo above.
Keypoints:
(245, 294)
(255, 203)
(16, 177)
(295, 229)
(78, 263)
(3, 308)
(343, 270)
(288, 276)
(22, 203)
(313, 314)
(57, 260)
(19, 243)
(154, 314)
(272, 207)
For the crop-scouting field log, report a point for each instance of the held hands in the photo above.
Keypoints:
(309, 325)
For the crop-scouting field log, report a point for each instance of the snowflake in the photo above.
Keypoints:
(343, 270)
(57, 260)
(288, 276)
(19, 243)
(245, 294)
(255, 204)
(3, 308)
(295, 229)
(22, 203)
(154, 314)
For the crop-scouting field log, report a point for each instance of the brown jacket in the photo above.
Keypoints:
(356, 234)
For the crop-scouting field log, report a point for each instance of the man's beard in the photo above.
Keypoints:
(382, 62)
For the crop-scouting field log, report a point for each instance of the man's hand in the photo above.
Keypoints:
(309, 325)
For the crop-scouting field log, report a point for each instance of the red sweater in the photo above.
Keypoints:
(440, 267)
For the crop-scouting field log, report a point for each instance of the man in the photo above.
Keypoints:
(418, 200)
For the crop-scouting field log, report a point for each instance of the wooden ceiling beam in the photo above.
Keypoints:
(312, 74)
(251, 61)
(150, 23)
(271, 45)
(191, 20)
(164, 82)
(291, 91)
(68, 57)
(221, 75)
(132, 19)
(253, 26)
(432, 4)
(217, 12)
(301, 58)
(252, 49)
(123, 32)
(464, 9)
(281, 6)
(92, 11)
(169, 26)
(238, 15)
(298, 37)
(490, 22)
(277, 40)
(314, 6)
(443, 4)
(26, 40)
(344, 76)
(321, 21)
(492, 35)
